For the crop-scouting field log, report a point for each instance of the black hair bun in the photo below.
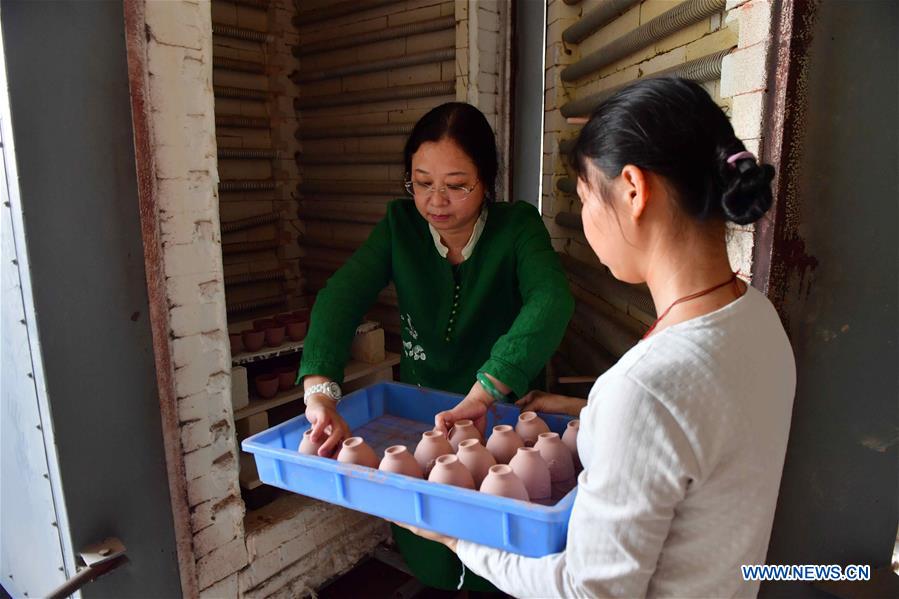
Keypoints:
(747, 191)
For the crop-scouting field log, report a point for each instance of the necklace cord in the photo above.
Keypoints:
(693, 296)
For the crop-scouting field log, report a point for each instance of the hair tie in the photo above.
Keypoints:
(732, 159)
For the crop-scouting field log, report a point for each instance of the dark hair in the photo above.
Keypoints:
(672, 127)
(468, 128)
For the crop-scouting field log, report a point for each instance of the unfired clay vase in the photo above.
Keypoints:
(307, 445)
(529, 428)
(399, 460)
(570, 441)
(274, 336)
(450, 471)
(236, 343)
(462, 430)
(296, 329)
(260, 324)
(432, 446)
(503, 443)
(266, 385)
(287, 376)
(476, 458)
(502, 481)
(561, 464)
(253, 340)
(533, 471)
(356, 451)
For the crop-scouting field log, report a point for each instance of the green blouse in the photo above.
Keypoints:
(502, 311)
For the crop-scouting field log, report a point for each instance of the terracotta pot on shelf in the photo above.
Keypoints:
(476, 458)
(570, 441)
(432, 446)
(260, 324)
(274, 336)
(236, 343)
(501, 480)
(448, 470)
(504, 443)
(399, 460)
(296, 329)
(461, 431)
(533, 471)
(561, 464)
(529, 428)
(302, 314)
(356, 451)
(287, 377)
(282, 318)
(266, 385)
(253, 340)
(307, 445)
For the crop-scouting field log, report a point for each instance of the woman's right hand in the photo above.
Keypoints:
(321, 412)
(540, 401)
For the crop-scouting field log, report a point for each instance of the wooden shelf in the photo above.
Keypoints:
(354, 370)
(286, 348)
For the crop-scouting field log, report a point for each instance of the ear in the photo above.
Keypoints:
(636, 189)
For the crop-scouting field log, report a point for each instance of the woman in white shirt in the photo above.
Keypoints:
(683, 440)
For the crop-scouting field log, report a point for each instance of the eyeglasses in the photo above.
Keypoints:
(454, 193)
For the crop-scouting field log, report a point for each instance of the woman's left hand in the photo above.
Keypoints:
(473, 407)
(450, 542)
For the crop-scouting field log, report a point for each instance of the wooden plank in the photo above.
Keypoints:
(354, 370)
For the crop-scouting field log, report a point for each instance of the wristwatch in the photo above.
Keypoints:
(330, 389)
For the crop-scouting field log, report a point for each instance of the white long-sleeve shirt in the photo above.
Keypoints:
(683, 444)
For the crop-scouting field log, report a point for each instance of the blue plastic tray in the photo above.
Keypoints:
(390, 414)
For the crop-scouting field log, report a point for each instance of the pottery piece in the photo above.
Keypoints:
(399, 460)
(287, 377)
(461, 431)
(450, 471)
(302, 314)
(529, 428)
(253, 340)
(476, 458)
(274, 336)
(501, 480)
(432, 446)
(356, 451)
(307, 445)
(283, 318)
(561, 464)
(504, 443)
(570, 441)
(296, 329)
(260, 324)
(236, 343)
(533, 471)
(266, 385)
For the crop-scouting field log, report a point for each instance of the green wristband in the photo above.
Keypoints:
(490, 388)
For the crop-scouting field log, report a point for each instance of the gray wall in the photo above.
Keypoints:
(72, 128)
(838, 500)
(527, 101)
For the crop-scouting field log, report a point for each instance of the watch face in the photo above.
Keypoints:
(334, 388)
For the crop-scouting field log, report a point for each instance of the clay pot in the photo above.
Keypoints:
(307, 445)
(561, 464)
(287, 377)
(266, 385)
(533, 471)
(450, 471)
(260, 324)
(283, 318)
(529, 428)
(356, 451)
(303, 314)
(236, 343)
(503, 443)
(570, 441)
(501, 480)
(274, 336)
(462, 430)
(432, 446)
(296, 329)
(476, 458)
(399, 460)
(253, 340)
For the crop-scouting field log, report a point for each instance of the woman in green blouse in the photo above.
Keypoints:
(483, 299)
